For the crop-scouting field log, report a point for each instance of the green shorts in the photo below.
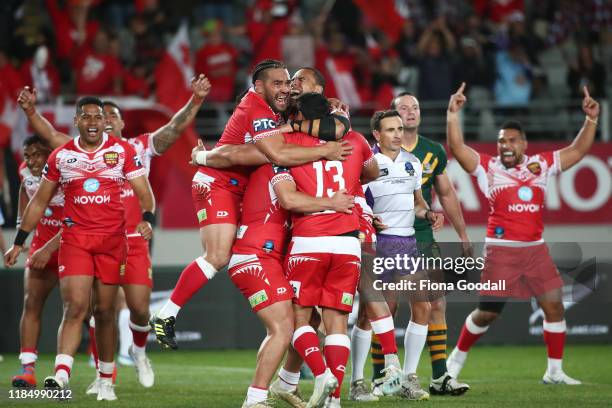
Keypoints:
(427, 243)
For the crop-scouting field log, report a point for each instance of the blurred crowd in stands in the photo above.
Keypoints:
(366, 49)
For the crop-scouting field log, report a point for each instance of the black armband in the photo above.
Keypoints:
(327, 128)
(344, 120)
(149, 217)
(21, 237)
(296, 125)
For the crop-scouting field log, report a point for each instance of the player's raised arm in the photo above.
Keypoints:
(166, 135)
(422, 210)
(44, 128)
(450, 203)
(466, 156)
(31, 215)
(293, 200)
(573, 153)
(226, 156)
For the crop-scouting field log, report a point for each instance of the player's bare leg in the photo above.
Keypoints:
(285, 387)
(38, 283)
(278, 320)
(138, 298)
(554, 337)
(217, 241)
(76, 292)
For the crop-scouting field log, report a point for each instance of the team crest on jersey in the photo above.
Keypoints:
(111, 158)
(535, 168)
(409, 169)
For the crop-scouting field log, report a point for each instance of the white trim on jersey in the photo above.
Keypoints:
(330, 245)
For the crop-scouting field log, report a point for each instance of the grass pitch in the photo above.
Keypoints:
(499, 377)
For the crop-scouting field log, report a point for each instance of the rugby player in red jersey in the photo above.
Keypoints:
(91, 169)
(515, 185)
(137, 281)
(324, 255)
(41, 267)
(218, 194)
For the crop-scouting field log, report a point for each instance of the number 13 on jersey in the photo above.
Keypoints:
(334, 169)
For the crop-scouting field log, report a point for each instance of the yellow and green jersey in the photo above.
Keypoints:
(433, 159)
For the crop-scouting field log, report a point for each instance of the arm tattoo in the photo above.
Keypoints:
(165, 136)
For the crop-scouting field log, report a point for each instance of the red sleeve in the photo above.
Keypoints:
(132, 165)
(552, 160)
(51, 172)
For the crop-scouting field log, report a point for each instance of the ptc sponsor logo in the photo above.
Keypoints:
(97, 199)
(525, 193)
(202, 215)
(520, 208)
(263, 124)
(347, 299)
(91, 185)
(111, 158)
(258, 298)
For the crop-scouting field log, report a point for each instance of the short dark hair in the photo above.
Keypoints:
(114, 105)
(319, 78)
(313, 105)
(263, 66)
(87, 100)
(36, 139)
(399, 95)
(379, 116)
(515, 125)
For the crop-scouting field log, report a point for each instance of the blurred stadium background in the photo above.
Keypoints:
(522, 59)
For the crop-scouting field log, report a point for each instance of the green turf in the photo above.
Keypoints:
(499, 377)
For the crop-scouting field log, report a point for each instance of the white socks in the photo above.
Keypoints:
(414, 341)
(360, 347)
(168, 309)
(125, 334)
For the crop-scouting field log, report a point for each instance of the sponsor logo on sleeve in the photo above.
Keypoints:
(259, 125)
(384, 172)
(137, 161)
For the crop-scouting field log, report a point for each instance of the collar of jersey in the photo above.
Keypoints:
(78, 146)
(411, 148)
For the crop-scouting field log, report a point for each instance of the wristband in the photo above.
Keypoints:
(21, 237)
(149, 217)
(590, 120)
(201, 157)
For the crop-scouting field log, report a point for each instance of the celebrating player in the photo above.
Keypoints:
(93, 249)
(324, 255)
(41, 267)
(515, 185)
(218, 194)
(137, 281)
